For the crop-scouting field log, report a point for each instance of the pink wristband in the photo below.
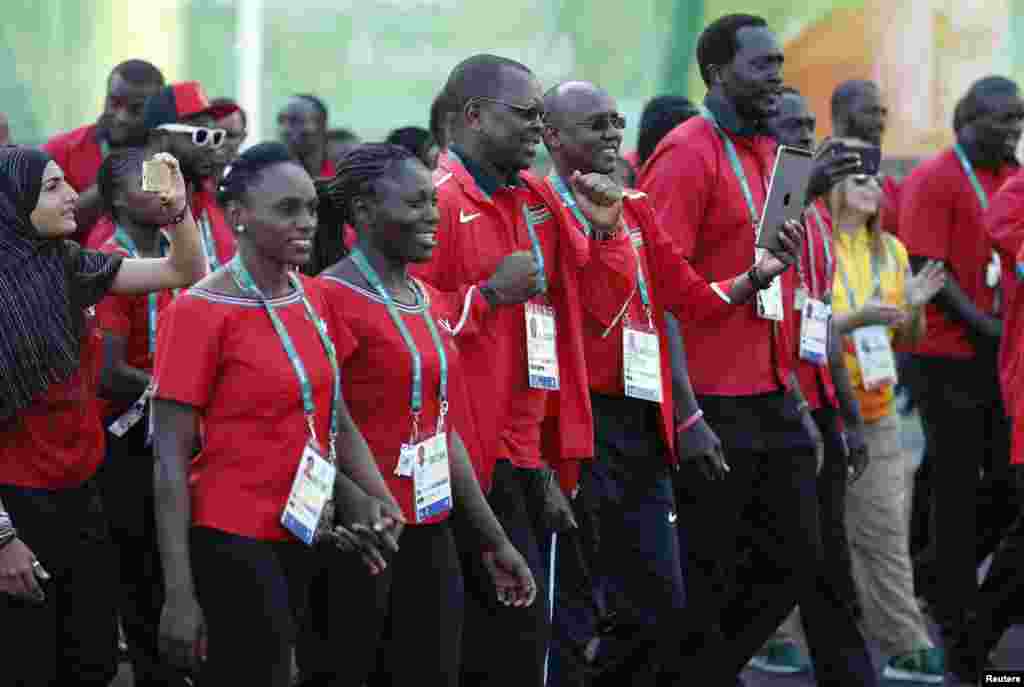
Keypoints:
(690, 421)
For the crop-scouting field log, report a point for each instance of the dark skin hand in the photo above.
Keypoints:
(176, 430)
(558, 514)
(958, 306)
(516, 280)
(807, 420)
(513, 582)
(698, 443)
(830, 166)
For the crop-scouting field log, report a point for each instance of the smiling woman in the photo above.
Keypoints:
(51, 439)
(403, 377)
(246, 353)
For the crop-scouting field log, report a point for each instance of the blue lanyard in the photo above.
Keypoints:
(208, 245)
(737, 169)
(876, 273)
(538, 254)
(245, 283)
(971, 176)
(570, 202)
(125, 241)
(810, 250)
(416, 402)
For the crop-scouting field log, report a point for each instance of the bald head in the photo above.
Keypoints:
(570, 100)
(858, 111)
(583, 128)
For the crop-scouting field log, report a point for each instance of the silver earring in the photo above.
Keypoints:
(240, 229)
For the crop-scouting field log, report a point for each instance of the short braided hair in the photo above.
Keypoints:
(357, 173)
(117, 166)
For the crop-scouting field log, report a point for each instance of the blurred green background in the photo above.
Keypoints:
(379, 63)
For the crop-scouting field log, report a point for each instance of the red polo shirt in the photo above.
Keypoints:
(480, 225)
(941, 218)
(1004, 223)
(221, 355)
(672, 285)
(816, 277)
(377, 375)
(699, 202)
(128, 318)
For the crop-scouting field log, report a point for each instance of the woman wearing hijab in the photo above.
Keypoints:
(57, 573)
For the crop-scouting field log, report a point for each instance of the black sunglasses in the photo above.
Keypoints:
(529, 113)
(604, 122)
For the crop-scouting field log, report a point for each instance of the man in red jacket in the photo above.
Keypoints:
(1000, 601)
(707, 181)
(942, 208)
(180, 120)
(628, 485)
(80, 152)
(490, 209)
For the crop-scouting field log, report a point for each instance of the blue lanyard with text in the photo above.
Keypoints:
(416, 402)
(245, 283)
(125, 241)
(208, 245)
(737, 169)
(570, 202)
(971, 176)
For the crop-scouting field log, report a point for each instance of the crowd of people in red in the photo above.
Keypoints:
(278, 416)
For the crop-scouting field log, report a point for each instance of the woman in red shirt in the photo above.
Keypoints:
(57, 569)
(245, 367)
(403, 384)
(128, 324)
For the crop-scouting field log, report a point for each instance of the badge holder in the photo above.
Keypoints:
(541, 346)
(641, 361)
(131, 417)
(426, 462)
(312, 491)
(769, 301)
(814, 331)
(874, 356)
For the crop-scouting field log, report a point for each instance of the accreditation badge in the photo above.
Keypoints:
(641, 364)
(312, 489)
(874, 356)
(769, 301)
(814, 329)
(432, 477)
(541, 348)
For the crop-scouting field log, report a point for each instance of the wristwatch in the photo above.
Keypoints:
(755, 279)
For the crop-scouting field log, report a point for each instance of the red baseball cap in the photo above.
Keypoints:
(176, 102)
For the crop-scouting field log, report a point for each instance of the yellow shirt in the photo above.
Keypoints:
(853, 254)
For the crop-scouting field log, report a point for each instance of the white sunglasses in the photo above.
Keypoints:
(201, 136)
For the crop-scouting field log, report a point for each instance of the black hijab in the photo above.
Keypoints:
(39, 327)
